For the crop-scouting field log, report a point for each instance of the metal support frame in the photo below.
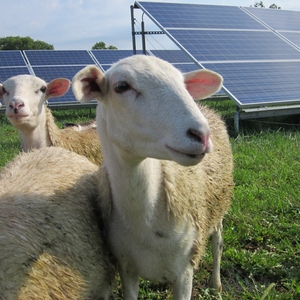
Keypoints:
(263, 112)
(143, 32)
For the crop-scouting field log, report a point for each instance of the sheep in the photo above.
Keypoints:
(80, 126)
(164, 193)
(24, 97)
(51, 245)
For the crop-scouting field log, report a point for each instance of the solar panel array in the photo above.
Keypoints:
(257, 51)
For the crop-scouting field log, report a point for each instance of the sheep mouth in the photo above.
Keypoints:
(17, 116)
(194, 156)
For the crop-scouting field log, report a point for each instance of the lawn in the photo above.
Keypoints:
(261, 258)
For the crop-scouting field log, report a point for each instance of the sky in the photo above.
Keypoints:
(79, 24)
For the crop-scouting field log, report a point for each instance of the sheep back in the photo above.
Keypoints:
(84, 142)
(209, 185)
(50, 241)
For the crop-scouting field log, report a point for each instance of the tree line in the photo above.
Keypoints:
(27, 43)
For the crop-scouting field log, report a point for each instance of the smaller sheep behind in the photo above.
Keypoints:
(50, 242)
(24, 97)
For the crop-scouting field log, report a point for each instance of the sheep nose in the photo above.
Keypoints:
(200, 138)
(15, 105)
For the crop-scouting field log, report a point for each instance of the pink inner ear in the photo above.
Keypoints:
(196, 85)
(58, 88)
(202, 84)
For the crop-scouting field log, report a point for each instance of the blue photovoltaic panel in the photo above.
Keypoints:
(6, 73)
(180, 15)
(294, 37)
(172, 56)
(105, 67)
(278, 19)
(58, 57)
(108, 57)
(261, 82)
(185, 68)
(11, 58)
(217, 45)
(49, 73)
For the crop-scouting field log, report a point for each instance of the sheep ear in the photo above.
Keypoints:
(88, 84)
(57, 87)
(202, 83)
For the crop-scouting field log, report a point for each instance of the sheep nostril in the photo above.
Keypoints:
(195, 135)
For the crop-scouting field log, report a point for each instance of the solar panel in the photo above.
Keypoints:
(220, 45)
(259, 66)
(294, 37)
(12, 63)
(49, 73)
(6, 73)
(11, 58)
(178, 58)
(172, 56)
(58, 57)
(106, 58)
(261, 82)
(180, 15)
(278, 19)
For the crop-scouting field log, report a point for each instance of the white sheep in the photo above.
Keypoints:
(166, 194)
(24, 97)
(81, 126)
(50, 242)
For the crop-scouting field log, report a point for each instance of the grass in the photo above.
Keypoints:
(261, 258)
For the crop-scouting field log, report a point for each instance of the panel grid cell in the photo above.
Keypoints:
(294, 37)
(6, 73)
(108, 57)
(58, 57)
(172, 56)
(11, 58)
(278, 19)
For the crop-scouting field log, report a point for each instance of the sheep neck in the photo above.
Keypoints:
(136, 186)
(36, 137)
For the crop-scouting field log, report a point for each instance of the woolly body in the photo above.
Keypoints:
(50, 243)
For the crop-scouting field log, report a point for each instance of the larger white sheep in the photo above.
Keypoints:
(51, 246)
(167, 195)
(24, 97)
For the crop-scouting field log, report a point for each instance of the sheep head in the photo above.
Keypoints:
(147, 107)
(25, 95)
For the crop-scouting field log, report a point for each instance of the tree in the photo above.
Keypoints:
(101, 45)
(274, 6)
(261, 4)
(23, 43)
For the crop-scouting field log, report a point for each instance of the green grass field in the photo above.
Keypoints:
(261, 258)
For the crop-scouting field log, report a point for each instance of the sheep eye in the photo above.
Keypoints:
(4, 90)
(121, 87)
(43, 89)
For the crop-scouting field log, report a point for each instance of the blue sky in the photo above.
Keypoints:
(79, 24)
